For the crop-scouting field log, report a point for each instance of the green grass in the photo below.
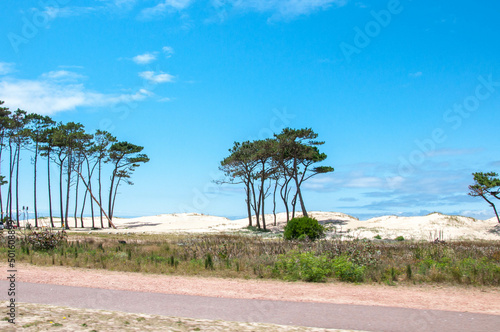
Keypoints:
(251, 256)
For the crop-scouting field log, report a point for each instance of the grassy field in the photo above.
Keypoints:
(254, 256)
(41, 317)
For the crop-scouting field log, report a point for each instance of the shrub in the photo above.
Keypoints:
(303, 227)
(44, 240)
(409, 272)
(400, 238)
(209, 262)
(346, 270)
(303, 266)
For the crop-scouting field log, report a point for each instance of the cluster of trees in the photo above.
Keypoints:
(76, 154)
(487, 186)
(277, 164)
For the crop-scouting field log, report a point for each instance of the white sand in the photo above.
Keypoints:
(428, 227)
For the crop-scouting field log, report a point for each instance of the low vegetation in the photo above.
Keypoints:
(250, 256)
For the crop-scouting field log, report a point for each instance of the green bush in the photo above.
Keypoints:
(316, 268)
(346, 270)
(303, 266)
(300, 228)
(209, 262)
(400, 238)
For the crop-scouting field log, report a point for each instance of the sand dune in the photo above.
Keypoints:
(429, 227)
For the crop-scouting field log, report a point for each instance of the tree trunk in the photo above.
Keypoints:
(34, 193)
(263, 212)
(114, 197)
(1, 150)
(68, 187)
(294, 204)
(11, 172)
(76, 200)
(89, 189)
(284, 198)
(256, 206)
(90, 173)
(83, 209)
(496, 213)
(493, 206)
(263, 194)
(110, 202)
(100, 193)
(17, 184)
(299, 193)
(284, 193)
(274, 201)
(249, 210)
(63, 224)
(100, 206)
(50, 193)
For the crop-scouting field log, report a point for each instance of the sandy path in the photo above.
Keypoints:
(462, 299)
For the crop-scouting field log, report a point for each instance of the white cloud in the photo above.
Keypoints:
(177, 4)
(6, 68)
(156, 78)
(124, 3)
(146, 58)
(62, 75)
(365, 182)
(415, 75)
(280, 8)
(164, 7)
(452, 152)
(168, 51)
(48, 96)
(57, 12)
(105, 5)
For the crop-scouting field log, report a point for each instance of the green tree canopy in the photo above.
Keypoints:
(487, 186)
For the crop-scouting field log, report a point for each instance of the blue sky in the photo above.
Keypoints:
(406, 94)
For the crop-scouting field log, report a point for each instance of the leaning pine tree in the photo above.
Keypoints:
(486, 186)
(296, 154)
(125, 158)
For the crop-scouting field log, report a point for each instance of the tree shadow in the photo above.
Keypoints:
(139, 224)
(334, 221)
(495, 229)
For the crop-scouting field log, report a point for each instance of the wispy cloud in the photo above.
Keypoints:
(62, 75)
(279, 8)
(6, 68)
(145, 58)
(495, 163)
(416, 74)
(124, 3)
(365, 182)
(53, 93)
(54, 12)
(156, 78)
(58, 12)
(165, 6)
(453, 152)
(168, 51)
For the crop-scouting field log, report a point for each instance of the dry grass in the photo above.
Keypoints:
(254, 256)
